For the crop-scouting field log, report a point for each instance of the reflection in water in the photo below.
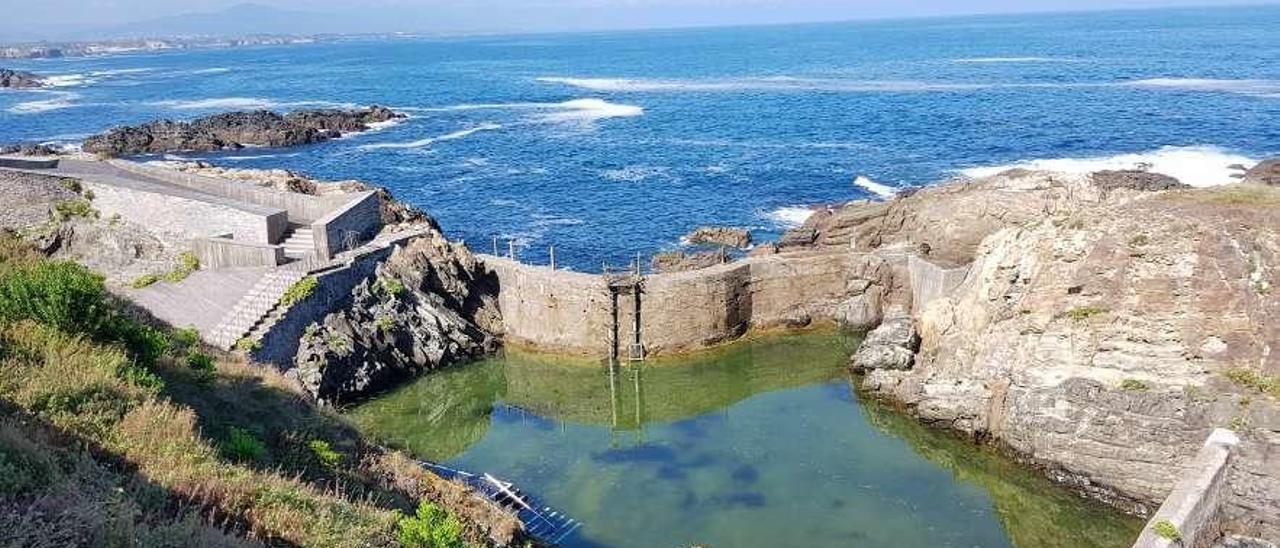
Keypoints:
(762, 443)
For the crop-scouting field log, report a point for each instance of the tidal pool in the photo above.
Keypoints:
(763, 443)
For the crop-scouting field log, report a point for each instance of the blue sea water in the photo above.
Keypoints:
(610, 144)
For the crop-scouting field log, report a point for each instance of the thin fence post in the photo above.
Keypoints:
(553, 257)
(495, 246)
(511, 249)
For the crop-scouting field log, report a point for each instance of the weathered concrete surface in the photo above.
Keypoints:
(348, 226)
(225, 252)
(200, 300)
(1194, 506)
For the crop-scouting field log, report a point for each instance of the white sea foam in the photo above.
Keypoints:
(636, 174)
(212, 70)
(1266, 88)
(1193, 165)
(589, 110)
(56, 100)
(1028, 59)
(432, 140)
(881, 190)
(773, 83)
(379, 126)
(66, 80)
(790, 216)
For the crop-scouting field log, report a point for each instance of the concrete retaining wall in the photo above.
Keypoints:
(179, 217)
(224, 252)
(569, 312)
(302, 208)
(28, 162)
(930, 281)
(348, 226)
(1193, 508)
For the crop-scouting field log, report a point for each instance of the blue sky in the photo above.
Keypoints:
(51, 17)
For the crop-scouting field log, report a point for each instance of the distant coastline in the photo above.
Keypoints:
(88, 48)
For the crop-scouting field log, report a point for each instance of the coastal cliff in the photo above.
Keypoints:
(1099, 325)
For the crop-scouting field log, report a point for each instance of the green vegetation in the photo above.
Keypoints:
(248, 345)
(1165, 529)
(1139, 240)
(187, 264)
(1254, 379)
(1082, 313)
(105, 426)
(69, 209)
(1133, 385)
(385, 323)
(1238, 423)
(299, 291)
(145, 280)
(324, 453)
(71, 184)
(391, 286)
(1237, 195)
(431, 527)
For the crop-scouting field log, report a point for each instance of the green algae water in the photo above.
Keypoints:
(763, 443)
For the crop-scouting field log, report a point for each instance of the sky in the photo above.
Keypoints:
(55, 19)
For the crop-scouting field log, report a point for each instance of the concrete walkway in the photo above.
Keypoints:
(201, 300)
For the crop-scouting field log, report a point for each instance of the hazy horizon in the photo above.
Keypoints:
(74, 19)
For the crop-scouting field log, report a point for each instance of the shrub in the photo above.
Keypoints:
(391, 286)
(324, 454)
(248, 345)
(299, 291)
(24, 466)
(1165, 529)
(385, 323)
(1133, 384)
(187, 263)
(199, 361)
(1255, 380)
(68, 209)
(242, 445)
(71, 184)
(432, 527)
(1081, 313)
(60, 294)
(144, 280)
(184, 338)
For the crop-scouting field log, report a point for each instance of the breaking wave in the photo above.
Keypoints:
(1265, 88)
(432, 140)
(58, 100)
(790, 216)
(1193, 165)
(881, 190)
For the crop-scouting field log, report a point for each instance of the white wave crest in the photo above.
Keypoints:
(432, 140)
(1028, 59)
(881, 190)
(212, 70)
(589, 110)
(1266, 88)
(57, 100)
(773, 83)
(66, 80)
(790, 216)
(636, 174)
(1193, 165)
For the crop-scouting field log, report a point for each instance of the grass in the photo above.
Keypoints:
(1082, 313)
(145, 280)
(391, 286)
(1254, 379)
(1247, 195)
(187, 264)
(1133, 385)
(1165, 529)
(117, 433)
(69, 209)
(299, 291)
(248, 345)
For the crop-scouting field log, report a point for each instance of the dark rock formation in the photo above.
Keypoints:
(1133, 179)
(739, 238)
(19, 80)
(234, 130)
(1265, 173)
(797, 237)
(29, 149)
(428, 306)
(680, 261)
(891, 345)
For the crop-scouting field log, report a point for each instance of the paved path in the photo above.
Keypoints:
(202, 299)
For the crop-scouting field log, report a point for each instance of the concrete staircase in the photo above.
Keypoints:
(300, 244)
(253, 307)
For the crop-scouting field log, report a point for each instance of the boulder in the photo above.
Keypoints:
(1265, 173)
(739, 238)
(1134, 179)
(680, 261)
(19, 80)
(892, 345)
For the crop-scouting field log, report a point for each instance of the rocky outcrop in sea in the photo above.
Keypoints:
(16, 79)
(234, 130)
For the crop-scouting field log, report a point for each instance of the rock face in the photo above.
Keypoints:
(680, 261)
(19, 80)
(1265, 173)
(738, 238)
(1094, 330)
(891, 345)
(29, 149)
(428, 306)
(1135, 180)
(235, 130)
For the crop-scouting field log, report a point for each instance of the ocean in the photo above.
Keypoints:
(612, 144)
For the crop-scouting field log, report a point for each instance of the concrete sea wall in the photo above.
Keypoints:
(1191, 515)
(179, 216)
(570, 312)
